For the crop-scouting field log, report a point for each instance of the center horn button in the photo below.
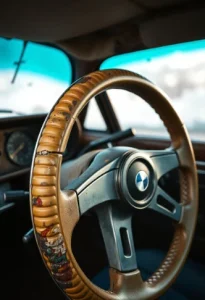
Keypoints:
(136, 180)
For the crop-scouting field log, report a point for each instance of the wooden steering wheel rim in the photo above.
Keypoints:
(55, 213)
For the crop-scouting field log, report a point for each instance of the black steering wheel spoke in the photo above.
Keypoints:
(97, 183)
(164, 204)
(164, 161)
(116, 227)
(99, 191)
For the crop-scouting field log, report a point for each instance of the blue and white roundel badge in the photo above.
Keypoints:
(142, 181)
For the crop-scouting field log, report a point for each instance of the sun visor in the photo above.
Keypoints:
(173, 29)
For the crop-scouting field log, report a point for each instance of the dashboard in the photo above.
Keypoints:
(18, 136)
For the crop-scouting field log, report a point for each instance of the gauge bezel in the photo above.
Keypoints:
(7, 151)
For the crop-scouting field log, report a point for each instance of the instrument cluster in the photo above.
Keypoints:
(17, 144)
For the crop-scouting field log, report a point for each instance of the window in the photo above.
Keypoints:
(136, 114)
(94, 119)
(32, 77)
(179, 70)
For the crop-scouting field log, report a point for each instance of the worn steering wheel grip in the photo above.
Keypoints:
(55, 213)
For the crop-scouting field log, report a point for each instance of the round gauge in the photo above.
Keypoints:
(20, 148)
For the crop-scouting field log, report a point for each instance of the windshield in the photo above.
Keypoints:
(179, 70)
(32, 77)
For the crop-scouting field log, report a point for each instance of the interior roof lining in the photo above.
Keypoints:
(93, 31)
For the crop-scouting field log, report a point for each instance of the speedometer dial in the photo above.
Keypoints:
(20, 148)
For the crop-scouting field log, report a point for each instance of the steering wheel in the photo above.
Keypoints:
(115, 182)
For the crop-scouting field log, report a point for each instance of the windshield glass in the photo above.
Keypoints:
(32, 77)
(179, 70)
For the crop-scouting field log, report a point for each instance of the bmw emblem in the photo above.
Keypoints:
(142, 181)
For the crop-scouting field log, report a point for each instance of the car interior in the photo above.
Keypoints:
(102, 149)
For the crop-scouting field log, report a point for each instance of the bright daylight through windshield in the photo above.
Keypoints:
(32, 76)
(179, 70)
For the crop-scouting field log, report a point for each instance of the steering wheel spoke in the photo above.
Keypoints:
(164, 204)
(99, 191)
(97, 183)
(116, 229)
(164, 161)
